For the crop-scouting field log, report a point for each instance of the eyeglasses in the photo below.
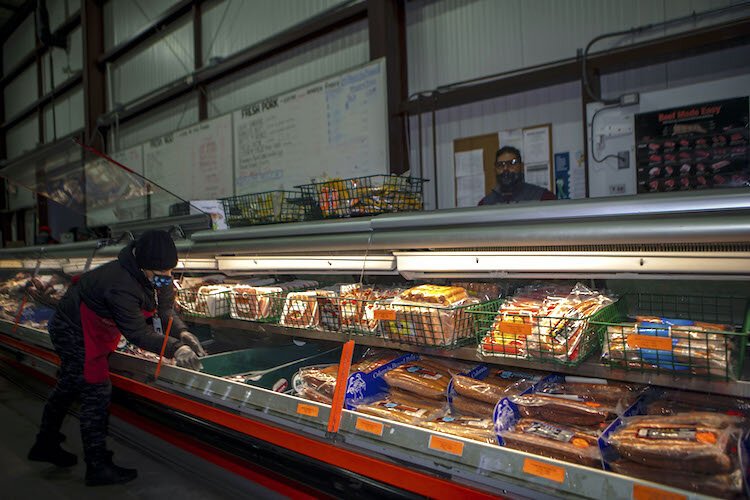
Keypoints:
(515, 162)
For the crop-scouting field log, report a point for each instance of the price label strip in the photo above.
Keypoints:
(450, 446)
(544, 470)
(307, 410)
(369, 426)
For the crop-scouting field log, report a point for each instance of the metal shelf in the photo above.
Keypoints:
(589, 368)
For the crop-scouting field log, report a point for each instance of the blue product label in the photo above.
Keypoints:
(505, 418)
(362, 387)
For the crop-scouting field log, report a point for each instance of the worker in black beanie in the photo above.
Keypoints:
(131, 296)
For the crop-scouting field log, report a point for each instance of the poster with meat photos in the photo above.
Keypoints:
(700, 146)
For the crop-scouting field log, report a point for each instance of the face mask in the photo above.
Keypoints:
(508, 179)
(161, 280)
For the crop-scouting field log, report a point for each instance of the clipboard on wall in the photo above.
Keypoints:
(465, 150)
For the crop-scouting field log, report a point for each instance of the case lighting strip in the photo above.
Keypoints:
(352, 263)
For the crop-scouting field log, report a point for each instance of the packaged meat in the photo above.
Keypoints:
(670, 158)
(408, 410)
(555, 327)
(207, 301)
(737, 138)
(670, 184)
(478, 429)
(701, 143)
(562, 410)
(669, 402)
(318, 382)
(253, 302)
(472, 407)
(615, 395)
(653, 186)
(718, 485)
(719, 140)
(719, 165)
(669, 145)
(445, 296)
(654, 172)
(699, 441)
(301, 308)
(685, 183)
(654, 147)
(482, 291)
(497, 385)
(427, 379)
(672, 344)
(684, 143)
(429, 325)
(654, 159)
(552, 440)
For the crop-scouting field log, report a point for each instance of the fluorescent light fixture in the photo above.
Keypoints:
(198, 264)
(11, 264)
(573, 262)
(317, 263)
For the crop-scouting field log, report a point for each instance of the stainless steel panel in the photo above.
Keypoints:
(285, 230)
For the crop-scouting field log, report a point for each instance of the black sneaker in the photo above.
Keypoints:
(100, 471)
(47, 449)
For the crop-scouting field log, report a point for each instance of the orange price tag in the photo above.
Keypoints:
(513, 328)
(649, 342)
(307, 410)
(446, 445)
(365, 425)
(544, 470)
(641, 492)
(384, 314)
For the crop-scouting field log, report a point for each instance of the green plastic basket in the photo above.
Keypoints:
(693, 350)
(259, 308)
(519, 334)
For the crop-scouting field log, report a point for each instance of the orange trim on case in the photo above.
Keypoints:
(163, 348)
(339, 391)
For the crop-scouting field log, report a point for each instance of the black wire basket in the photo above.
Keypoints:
(363, 196)
(269, 207)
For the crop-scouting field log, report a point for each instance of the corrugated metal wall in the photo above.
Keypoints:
(178, 114)
(454, 40)
(21, 92)
(68, 116)
(160, 63)
(315, 60)
(65, 64)
(19, 44)
(22, 138)
(124, 18)
(232, 25)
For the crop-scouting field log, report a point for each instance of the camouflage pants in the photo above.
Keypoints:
(95, 398)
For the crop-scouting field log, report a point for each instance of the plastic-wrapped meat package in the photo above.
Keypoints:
(669, 402)
(318, 382)
(252, 302)
(405, 408)
(471, 407)
(561, 332)
(301, 308)
(696, 347)
(497, 385)
(693, 450)
(427, 378)
(478, 429)
(578, 402)
(430, 315)
(552, 440)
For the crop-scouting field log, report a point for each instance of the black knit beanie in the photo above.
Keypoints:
(155, 251)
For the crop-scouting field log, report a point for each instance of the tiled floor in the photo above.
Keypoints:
(162, 473)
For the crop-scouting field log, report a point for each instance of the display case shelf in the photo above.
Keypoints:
(589, 368)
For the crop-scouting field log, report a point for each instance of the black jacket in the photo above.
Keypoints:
(119, 291)
(523, 193)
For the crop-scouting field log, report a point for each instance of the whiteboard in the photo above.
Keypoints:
(334, 128)
(194, 163)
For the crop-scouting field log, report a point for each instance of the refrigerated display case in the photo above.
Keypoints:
(681, 256)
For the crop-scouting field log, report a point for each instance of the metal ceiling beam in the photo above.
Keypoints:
(655, 51)
(294, 36)
(66, 86)
(168, 17)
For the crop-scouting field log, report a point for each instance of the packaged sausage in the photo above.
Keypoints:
(701, 442)
(497, 385)
(478, 429)
(553, 440)
(252, 302)
(718, 485)
(614, 396)
(404, 408)
(562, 410)
(669, 402)
(301, 308)
(472, 407)
(426, 378)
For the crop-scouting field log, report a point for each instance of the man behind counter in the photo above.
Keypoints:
(510, 187)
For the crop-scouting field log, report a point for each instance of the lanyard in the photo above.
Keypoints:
(156, 320)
